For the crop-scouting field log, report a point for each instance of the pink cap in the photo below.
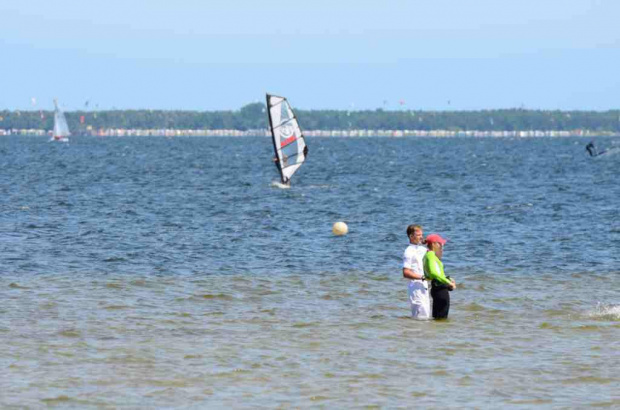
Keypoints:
(435, 238)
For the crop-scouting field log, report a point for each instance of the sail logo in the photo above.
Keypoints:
(287, 135)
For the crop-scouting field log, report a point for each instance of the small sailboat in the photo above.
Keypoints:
(61, 129)
(288, 141)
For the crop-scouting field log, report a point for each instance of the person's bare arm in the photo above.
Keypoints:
(410, 274)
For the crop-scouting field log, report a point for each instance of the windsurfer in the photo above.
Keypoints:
(285, 180)
(594, 152)
(287, 136)
(284, 161)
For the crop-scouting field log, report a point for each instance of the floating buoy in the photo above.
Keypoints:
(340, 228)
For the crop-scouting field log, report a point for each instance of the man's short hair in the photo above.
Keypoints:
(412, 228)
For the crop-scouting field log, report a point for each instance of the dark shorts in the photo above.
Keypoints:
(441, 301)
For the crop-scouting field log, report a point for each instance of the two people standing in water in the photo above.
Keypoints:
(421, 265)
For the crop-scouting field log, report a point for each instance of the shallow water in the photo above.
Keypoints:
(171, 273)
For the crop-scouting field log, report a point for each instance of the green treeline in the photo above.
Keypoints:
(253, 116)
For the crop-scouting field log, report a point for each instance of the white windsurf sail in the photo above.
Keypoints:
(288, 140)
(61, 129)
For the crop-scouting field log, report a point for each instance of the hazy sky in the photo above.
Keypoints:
(340, 54)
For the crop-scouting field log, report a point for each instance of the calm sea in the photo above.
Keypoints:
(154, 272)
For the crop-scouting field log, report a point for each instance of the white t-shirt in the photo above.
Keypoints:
(413, 258)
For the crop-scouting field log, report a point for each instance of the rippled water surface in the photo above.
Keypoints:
(153, 272)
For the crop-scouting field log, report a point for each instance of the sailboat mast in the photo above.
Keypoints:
(273, 139)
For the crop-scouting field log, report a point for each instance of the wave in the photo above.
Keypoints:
(605, 311)
(280, 185)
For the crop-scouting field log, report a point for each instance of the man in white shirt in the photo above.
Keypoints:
(413, 269)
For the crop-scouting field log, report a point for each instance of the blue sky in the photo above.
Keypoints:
(337, 54)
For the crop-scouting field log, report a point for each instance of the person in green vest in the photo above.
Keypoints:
(442, 285)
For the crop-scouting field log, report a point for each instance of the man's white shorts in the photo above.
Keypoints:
(419, 299)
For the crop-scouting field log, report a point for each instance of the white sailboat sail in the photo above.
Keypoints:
(61, 129)
(288, 140)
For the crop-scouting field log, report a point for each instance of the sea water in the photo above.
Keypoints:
(154, 272)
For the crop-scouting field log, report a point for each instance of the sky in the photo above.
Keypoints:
(321, 54)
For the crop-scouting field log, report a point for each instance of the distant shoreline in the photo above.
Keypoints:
(251, 119)
(121, 132)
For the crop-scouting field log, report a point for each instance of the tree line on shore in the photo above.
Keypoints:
(253, 116)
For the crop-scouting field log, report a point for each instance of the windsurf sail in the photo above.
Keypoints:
(288, 140)
(61, 129)
(594, 152)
